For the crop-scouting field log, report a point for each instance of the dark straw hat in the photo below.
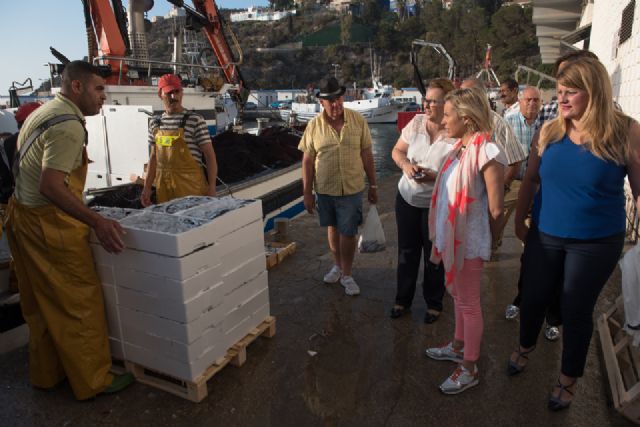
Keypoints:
(330, 89)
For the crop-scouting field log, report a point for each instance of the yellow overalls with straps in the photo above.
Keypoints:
(60, 294)
(178, 174)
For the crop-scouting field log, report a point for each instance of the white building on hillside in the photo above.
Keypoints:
(608, 28)
(256, 14)
(263, 98)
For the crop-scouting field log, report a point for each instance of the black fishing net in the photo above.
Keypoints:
(241, 156)
(121, 196)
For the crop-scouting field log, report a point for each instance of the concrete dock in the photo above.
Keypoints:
(341, 361)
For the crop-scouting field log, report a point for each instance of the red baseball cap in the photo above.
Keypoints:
(24, 110)
(168, 83)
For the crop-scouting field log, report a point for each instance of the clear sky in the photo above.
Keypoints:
(30, 27)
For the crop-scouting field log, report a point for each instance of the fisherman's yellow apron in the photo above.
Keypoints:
(60, 295)
(13, 279)
(178, 174)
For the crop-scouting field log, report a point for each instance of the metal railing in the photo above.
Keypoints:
(149, 63)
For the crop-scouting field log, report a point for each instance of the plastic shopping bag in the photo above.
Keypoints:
(372, 237)
(630, 266)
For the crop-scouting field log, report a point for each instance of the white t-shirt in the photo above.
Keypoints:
(416, 136)
(478, 238)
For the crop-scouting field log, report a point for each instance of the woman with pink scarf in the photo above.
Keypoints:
(466, 210)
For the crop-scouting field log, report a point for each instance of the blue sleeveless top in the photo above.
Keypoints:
(581, 196)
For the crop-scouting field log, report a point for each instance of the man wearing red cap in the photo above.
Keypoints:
(179, 142)
(8, 149)
(7, 184)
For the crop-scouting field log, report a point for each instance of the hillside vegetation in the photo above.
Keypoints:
(328, 38)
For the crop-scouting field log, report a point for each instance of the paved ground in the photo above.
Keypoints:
(369, 370)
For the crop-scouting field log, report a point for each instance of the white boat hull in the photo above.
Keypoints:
(372, 110)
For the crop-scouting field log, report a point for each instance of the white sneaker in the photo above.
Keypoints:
(333, 275)
(511, 312)
(460, 380)
(350, 285)
(445, 353)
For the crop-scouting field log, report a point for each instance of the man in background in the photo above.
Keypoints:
(180, 149)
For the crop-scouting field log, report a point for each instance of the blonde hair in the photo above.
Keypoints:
(606, 128)
(473, 105)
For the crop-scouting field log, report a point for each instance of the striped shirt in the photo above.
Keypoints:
(524, 133)
(503, 135)
(196, 132)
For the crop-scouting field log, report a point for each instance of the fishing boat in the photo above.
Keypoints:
(265, 166)
(376, 104)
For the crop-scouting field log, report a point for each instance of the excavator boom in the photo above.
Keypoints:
(207, 16)
(109, 37)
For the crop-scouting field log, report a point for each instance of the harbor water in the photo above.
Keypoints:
(384, 137)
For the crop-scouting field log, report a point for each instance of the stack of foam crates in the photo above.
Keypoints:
(189, 285)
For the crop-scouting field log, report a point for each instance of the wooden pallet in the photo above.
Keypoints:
(277, 252)
(622, 361)
(196, 390)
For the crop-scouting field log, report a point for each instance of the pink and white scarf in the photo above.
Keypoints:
(461, 195)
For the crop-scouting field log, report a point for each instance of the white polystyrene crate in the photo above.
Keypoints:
(170, 267)
(230, 221)
(246, 309)
(163, 287)
(250, 250)
(171, 329)
(105, 274)
(243, 293)
(193, 235)
(243, 272)
(186, 371)
(262, 313)
(203, 231)
(239, 331)
(178, 310)
(111, 213)
(111, 311)
(187, 353)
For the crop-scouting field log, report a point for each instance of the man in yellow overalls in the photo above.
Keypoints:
(179, 141)
(48, 229)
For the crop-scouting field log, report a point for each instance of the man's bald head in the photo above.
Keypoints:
(529, 99)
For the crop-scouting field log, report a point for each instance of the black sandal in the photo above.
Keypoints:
(556, 403)
(397, 312)
(431, 316)
(514, 368)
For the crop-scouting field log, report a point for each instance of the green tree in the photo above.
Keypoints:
(281, 4)
(513, 37)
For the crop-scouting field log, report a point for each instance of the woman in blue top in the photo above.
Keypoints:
(577, 233)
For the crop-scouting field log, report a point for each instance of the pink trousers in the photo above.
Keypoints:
(466, 298)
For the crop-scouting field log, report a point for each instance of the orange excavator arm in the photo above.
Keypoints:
(207, 16)
(109, 36)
